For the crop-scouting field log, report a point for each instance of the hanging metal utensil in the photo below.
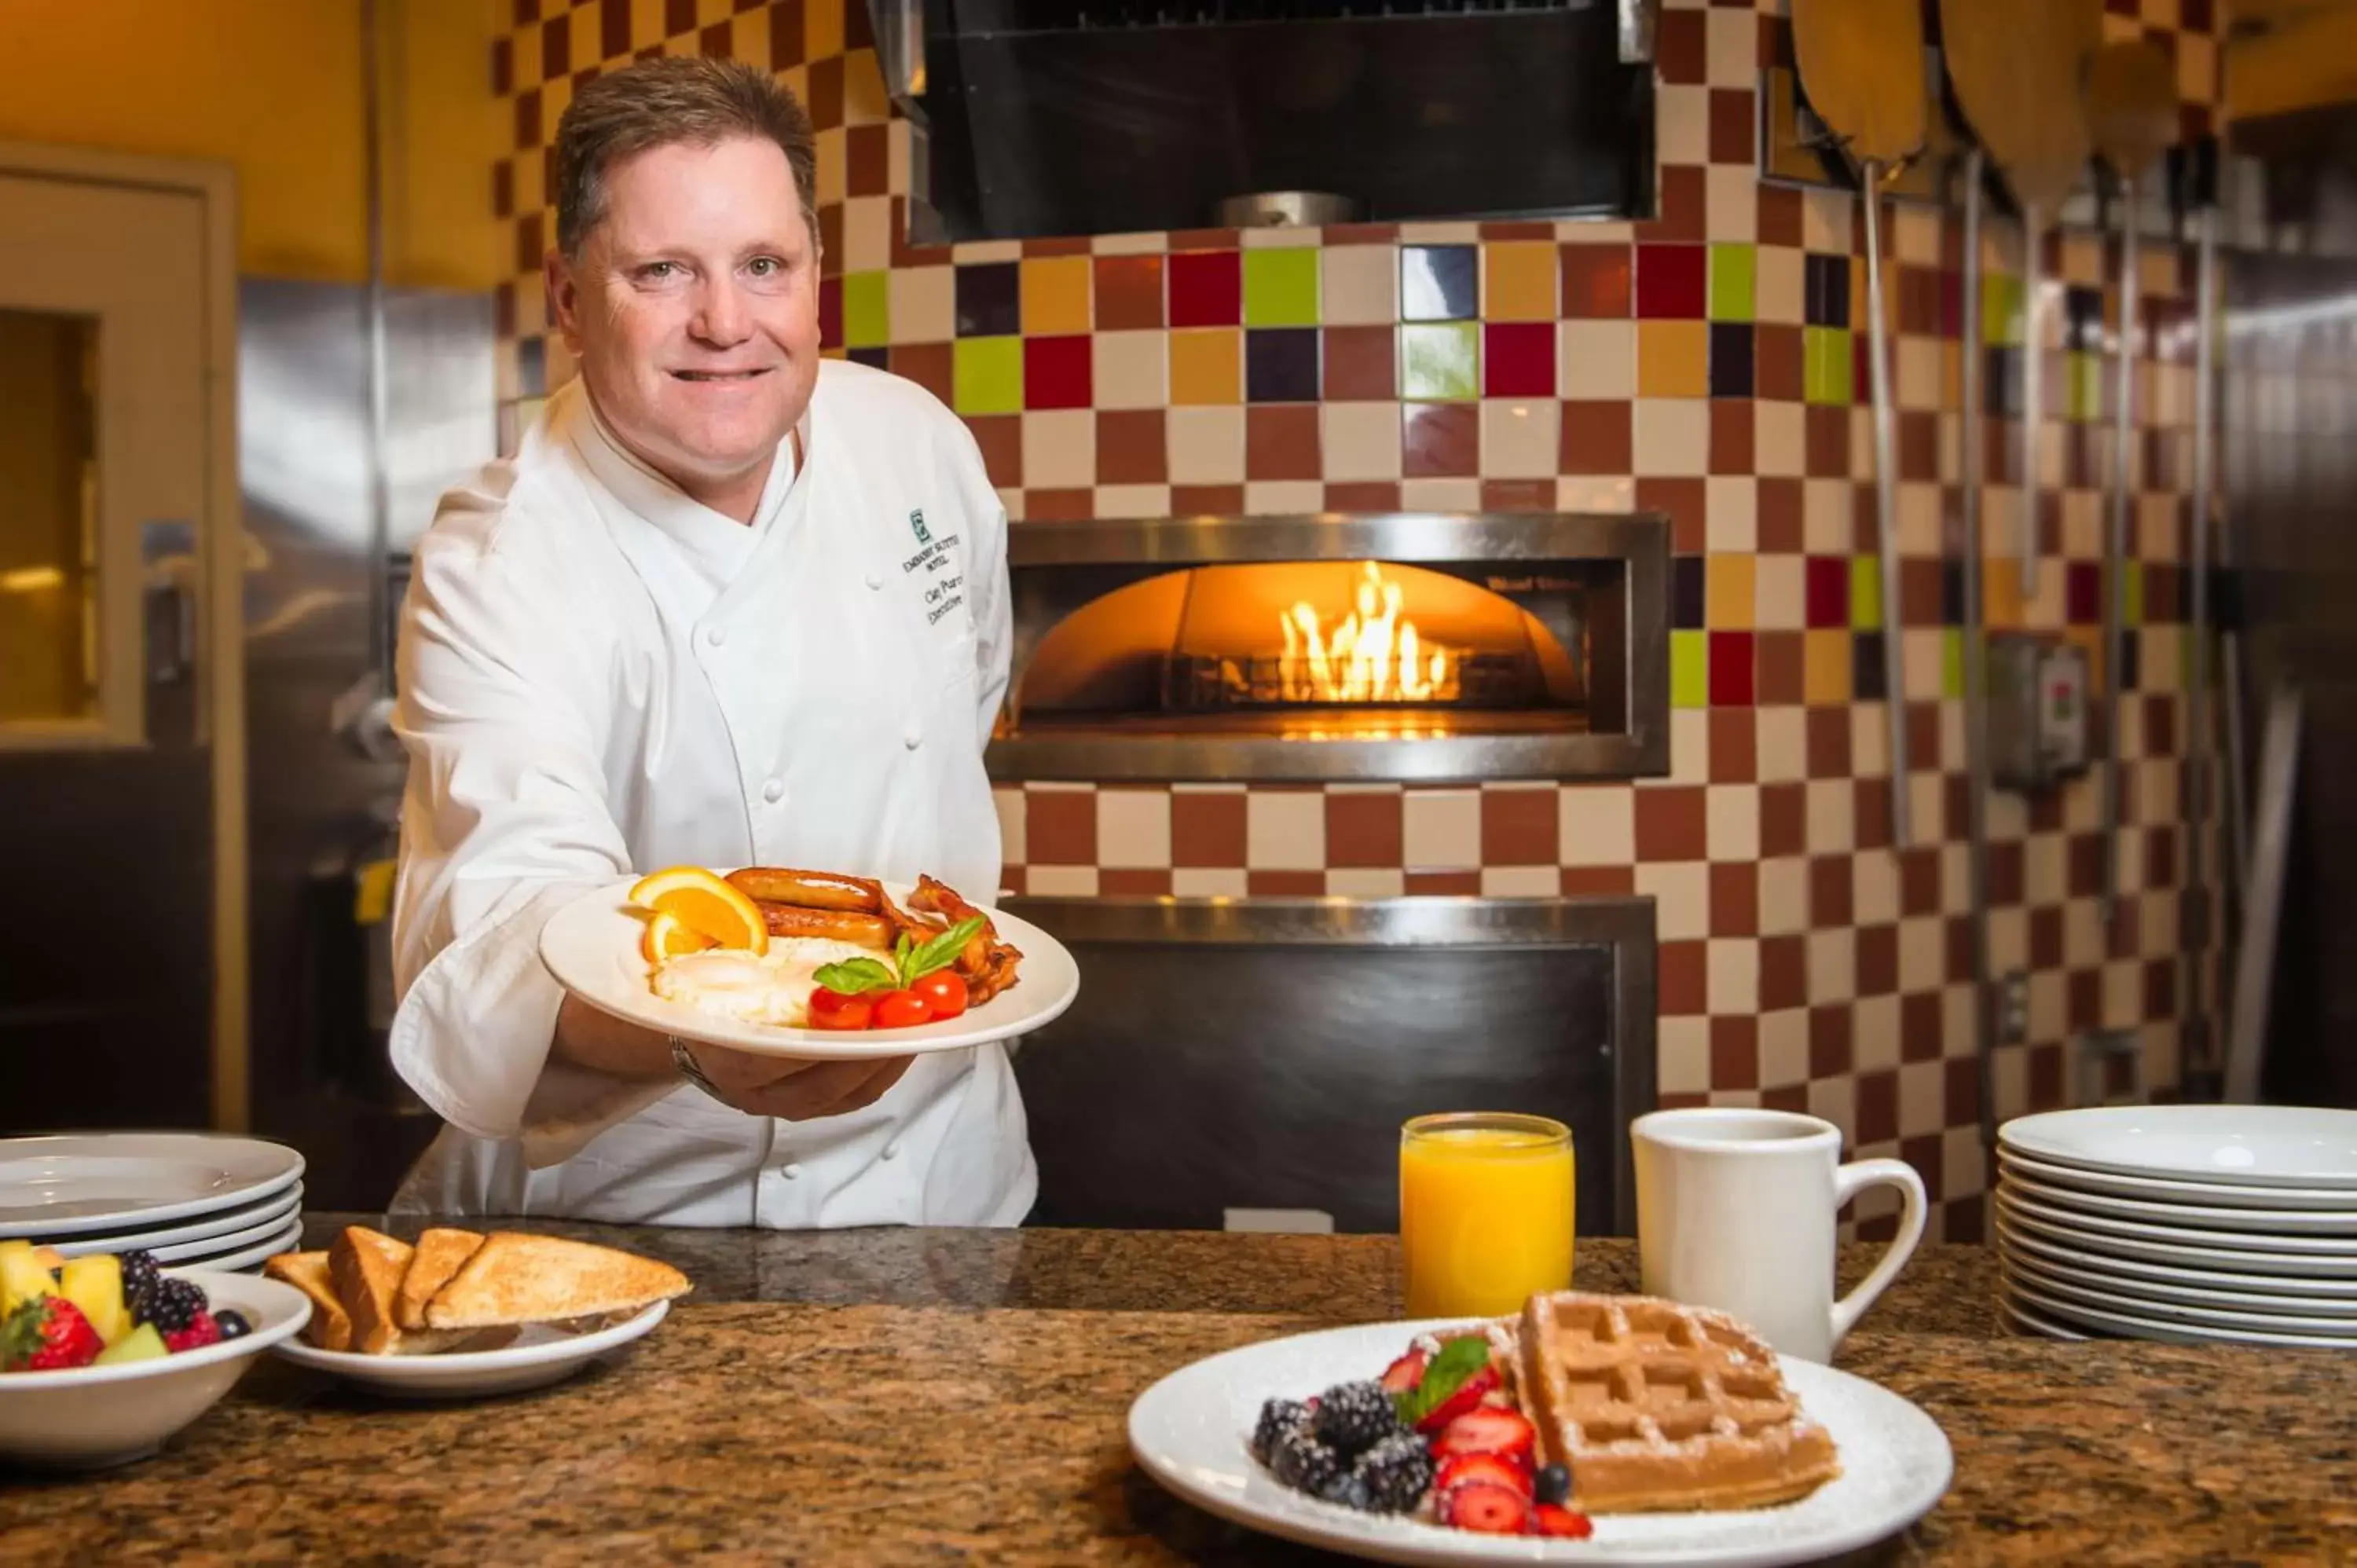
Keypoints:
(1861, 62)
(2132, 111)
(2016, 66)
(2197, 188)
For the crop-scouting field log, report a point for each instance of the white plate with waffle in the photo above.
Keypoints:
(1191, 1432)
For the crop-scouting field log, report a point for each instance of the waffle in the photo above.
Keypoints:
(1654, 1406)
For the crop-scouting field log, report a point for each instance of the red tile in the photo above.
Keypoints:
(1363, 829)
(1683, 209)
(1783, 815)
(1284, 884)
(1134, 882)
(1734, 114)
(1827, 590)
(1831, 1048)
(1735, 898)
(1731, 436)
(1440, 440)
(1596, 882)
(1784, 973)
(1682, 979)
(1734, 1051)
(1207, 288)
(1444, 884)
(1518, 359)
(1730, 669)
(1595, 281)
(1056, 372)
(1680, 53)
(1360, 364)
(1128, 293)
(830, 312)
(1919, 1027)
(1281, 442)
(1206, 500)
(1371, 495)
(1519, 827)
(1685, 502)
(1599, 437)
(1672, 824)
(1671, 281)
(1133, 447)
(1059, 827)
(1831, 887)
(1207, 829)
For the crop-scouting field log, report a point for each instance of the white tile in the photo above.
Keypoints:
(1923, 953)
(1959, 1021)
(867, 233)
(1964, 1167)
(1672, 437)
(1781, 742)
(1831, 816)
(1518, 439)
(1359, 441)
(1730, 204)
(1731, 815)
(1209, 882)
(1682, 123)
(1731, 515)
(1923, 1099)
(1133, 500)
(1059, 448)
(1780, 596)
(1780, 440)
(1836, 1100)
(1060, 881)
(1131, 370)
(2045, 868)
(1783, 1047)
(1151, 242)
(1825, 220)
(2049, 1006)
(1284, 830)
(922, 302)
(1521, 882)
(1682, 1046)
(1358, 285)
(1780, 290)
(1596, 825)
(1013, 823)
(1689, 747)
(2010, 1070)
(1832, 966)
(1730, 48)
(1874, 888)
(1284, 498)
(1134, 827)
(1828, 516)
(1783, 897)
(1734, 976)
(1440, 495)
(1874, 1033)
(1365, 882)
(1207, 445)
(1440, 830)
(1598, 361)
(1869, 740)
(1681, 895)
(1614, 494)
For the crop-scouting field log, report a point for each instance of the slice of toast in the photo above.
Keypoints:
(440, 1251)
(331, 1327)
(367, 1266)
(518, 1278)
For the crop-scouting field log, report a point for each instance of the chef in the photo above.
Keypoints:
(727, 605)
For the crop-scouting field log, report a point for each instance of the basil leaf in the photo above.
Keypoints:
(853, 975)
(1455, 1361)
(941, 952)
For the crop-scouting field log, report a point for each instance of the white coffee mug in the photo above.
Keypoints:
(1735, 1210)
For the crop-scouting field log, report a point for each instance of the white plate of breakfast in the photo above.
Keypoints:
(1590, 1429)
(806, 964)
(461, 1315)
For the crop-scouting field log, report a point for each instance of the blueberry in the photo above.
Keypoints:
(232, 1324)
(1552, 1484)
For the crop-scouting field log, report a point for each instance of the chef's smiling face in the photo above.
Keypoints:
(693, 307)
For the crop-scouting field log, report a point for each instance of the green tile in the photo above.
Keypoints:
(987, 375)
(2001, 314)
(1734, 281)
(1951, 661)
(1441, 361)
(2085, 378)
(1281, 287)
(2132, 595)
(1825, 364)
(1865, 593)
(866, 310)
(1689, 670)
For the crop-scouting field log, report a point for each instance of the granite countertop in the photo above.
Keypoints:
(906, 1395)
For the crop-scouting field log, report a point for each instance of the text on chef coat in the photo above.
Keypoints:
(945, 595)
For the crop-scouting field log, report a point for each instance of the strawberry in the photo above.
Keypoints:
(1402, 1374)
(1467, 1396)
(202, 1329)
(1493, 1510)
(45, 1334)
(1554, 1518)
(1487, 1430)
(1489, 1469)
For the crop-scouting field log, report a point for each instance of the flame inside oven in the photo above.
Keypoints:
(1371, 654)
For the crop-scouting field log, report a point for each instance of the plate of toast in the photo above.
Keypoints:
(461, 1313)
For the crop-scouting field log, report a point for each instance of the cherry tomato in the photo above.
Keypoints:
(900, 1009)
(833, 1010)
(946, 990)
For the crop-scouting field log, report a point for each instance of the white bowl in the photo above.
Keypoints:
(86, 1418)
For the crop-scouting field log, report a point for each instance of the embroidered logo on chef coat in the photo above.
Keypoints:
(917, 526)
(937, 561)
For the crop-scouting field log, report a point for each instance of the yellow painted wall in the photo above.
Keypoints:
(273, 87)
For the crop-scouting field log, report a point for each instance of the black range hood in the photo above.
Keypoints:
(1037, 118)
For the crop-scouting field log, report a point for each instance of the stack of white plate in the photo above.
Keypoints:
(198, 1199)
(2192, 1223)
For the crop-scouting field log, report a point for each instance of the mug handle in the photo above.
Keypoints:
(1849, 1182)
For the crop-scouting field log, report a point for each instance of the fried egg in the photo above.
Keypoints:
(773, 987)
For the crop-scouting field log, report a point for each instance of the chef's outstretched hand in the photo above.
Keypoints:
(794, 1088)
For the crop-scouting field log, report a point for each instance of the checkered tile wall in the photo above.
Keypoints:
(1708, 364)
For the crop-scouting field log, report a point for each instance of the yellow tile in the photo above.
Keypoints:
(1055, 296)
(865, 101)
(646, 23)
(831, 168)
(2091, 639)
(581, 30)
(555, 98)
(1672, 359)
(1825, 667)
(707, 11)
(2001, 593)
(1518, 281)
(530, 176)
(748, 36)
(1207, 365)
(525, 45)
(822, 28)
(1727, 587)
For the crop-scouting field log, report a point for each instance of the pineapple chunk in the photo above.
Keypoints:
(22, 1278)
(141, 1344)
(94, 1284)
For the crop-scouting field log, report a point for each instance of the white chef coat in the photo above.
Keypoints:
(599, 677)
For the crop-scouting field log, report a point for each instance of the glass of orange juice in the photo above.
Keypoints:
(1485, 1212)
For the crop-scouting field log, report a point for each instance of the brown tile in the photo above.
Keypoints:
(830, 236)
(527, 119)
(867, 160)
(1735, 898)
(503, 310)
(1735, 1053)
(1918, 444)
(1056, 245)
(2045, 1078)
(716, 41)
(1828, 733)
(1877, 960)
(1281, 441)
(1919, 1027)
(1359, 234)
(1832, 882)
(1683, 502)
(1595, 281)
(1870, 813)
(1362, 364)
(2160, 857)
(1882, 1230)
(1207, 828)
(2159, 989)
(1134, 882)
(1519, 827)
(1680, 53)
(1204, 238)
(1958, 930)
(1734, 746)
(2086, 876)
(1517, 229)
(1128, 293)
(1518, 495)
(1784, 820)
(1919, 589)
(1673, 825)
(1284, 884)
(1792, 1097)
(1919, 880)
(1730, 436)
(503, 188)
(1780, 216)
(1963, 1222)
(1438, 440)
(1597, 881)
(531, 242)
(2083, 999)
(1878, 1107)
(1363, 496)
(1784, 973)
(1924, 1152)
(1206, 500)
(1733, 112)
(1067, 505)
(1444, 884)
(1682, 979)
(825, 99)
(1825, 437)
(932, 366)
(679, 16)
(2046, 937)
(1131, 446)
(503, 67)
(1362, 829)
(1778, 363)
(1598, 438)
(1059, 827)
(1961, 1092)
(1000, 436)
(1779, 661)
(1682, 201)
(2046, 812)
(1830, 1049)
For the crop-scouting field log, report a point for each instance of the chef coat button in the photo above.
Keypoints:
(790, 1171)
(774, 790)
(892, 1149)
(912, 739)
(876, 579)
(715, 635)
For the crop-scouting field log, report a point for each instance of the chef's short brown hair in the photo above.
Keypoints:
(659, 102)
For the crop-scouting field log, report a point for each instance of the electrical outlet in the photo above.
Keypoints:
(2013, 1007)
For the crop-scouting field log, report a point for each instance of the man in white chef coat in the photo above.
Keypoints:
(727, 605)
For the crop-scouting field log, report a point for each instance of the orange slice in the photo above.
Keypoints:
(705, 904)
(667, 938)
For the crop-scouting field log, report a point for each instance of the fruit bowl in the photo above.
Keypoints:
(88, 1418)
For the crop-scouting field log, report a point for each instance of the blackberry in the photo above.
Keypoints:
(1396, 1472)
(1302, 1462)
(1349, 1489)
(1551, 1485)
(172, 1304)
(1276, 1416)
(232, 1323)
(139, 1278)
(1352, 1416)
